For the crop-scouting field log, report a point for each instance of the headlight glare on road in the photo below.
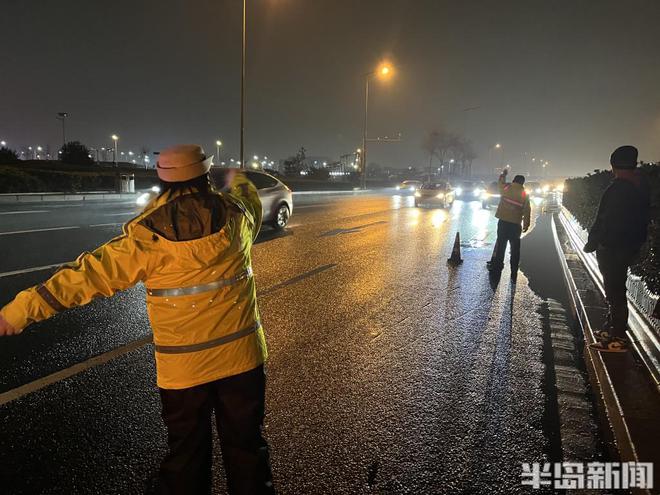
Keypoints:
(142, 199)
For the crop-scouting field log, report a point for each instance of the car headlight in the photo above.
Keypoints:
(546, 189)
(459, 191)
(142, 199)
(538, 190)
(485, 195)
(155, 189)
(412, 188)
(418, 194)
(398, 188)
(477, 192)
(441, 196)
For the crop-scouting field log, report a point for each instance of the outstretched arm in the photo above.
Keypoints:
(501, 182)
(245, 193)
(114, 266)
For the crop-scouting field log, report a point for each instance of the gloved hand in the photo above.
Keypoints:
(6, 328)
(590, 247)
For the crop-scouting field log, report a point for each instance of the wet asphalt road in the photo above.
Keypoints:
(389, 372)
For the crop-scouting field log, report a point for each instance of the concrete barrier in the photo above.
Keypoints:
(55, 196)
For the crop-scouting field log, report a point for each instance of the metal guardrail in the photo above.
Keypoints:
(644, 331)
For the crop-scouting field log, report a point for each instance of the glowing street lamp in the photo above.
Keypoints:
(384, 71)
(115, 138)
(218, 144)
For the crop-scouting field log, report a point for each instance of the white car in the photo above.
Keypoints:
(276, 197)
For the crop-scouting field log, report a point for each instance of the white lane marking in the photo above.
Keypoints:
(105, 224)
(29, 270)
(37, 230)
(22, 212)
(38, 384)
(28, 388)
(311, 206)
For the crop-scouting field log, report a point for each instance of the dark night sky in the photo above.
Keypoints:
(565, 80)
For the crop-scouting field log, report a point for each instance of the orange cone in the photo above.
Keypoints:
(455, 258)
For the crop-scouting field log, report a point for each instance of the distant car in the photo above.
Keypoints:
(276, 198)
(491, 196)
(409, 185)
(469, 190)
(534, 189)
(437, 193)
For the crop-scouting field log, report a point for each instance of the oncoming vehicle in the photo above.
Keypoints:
(469, 191)
(534, 189)
(276, 198)
(409, 185)
(491, 196)
(438, 193)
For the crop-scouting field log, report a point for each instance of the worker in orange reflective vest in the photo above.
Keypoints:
(191, 248)
(514, 209)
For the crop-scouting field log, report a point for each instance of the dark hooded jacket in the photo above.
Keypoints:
(623, 214)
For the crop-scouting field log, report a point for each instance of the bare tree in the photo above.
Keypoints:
(464, 155)
(439, 143)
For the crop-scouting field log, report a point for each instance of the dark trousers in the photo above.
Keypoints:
(507, 232)
(238, 402)
(613, 264)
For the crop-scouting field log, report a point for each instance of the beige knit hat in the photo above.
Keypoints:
(183, 162)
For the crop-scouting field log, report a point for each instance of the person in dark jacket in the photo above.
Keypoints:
(617, 235)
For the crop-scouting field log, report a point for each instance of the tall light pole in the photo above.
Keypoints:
(115, 138)
(384, 71)
(218, 144)
(62, 116)
(242, 152)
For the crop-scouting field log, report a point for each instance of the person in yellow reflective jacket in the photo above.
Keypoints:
(514, 209)
(191, 248)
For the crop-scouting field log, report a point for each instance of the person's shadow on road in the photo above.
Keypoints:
(269, 234)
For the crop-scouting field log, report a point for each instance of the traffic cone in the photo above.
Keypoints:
(455, 258)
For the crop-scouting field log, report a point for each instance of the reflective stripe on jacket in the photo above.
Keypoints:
(201, 295)
(514, 204)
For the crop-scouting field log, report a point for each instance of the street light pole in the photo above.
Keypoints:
(62, 116)
(218, 143)
(363, 154)
(115, 138)
(242, 152)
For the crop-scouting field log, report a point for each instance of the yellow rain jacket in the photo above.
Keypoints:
(201, 295)
(514, 204)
